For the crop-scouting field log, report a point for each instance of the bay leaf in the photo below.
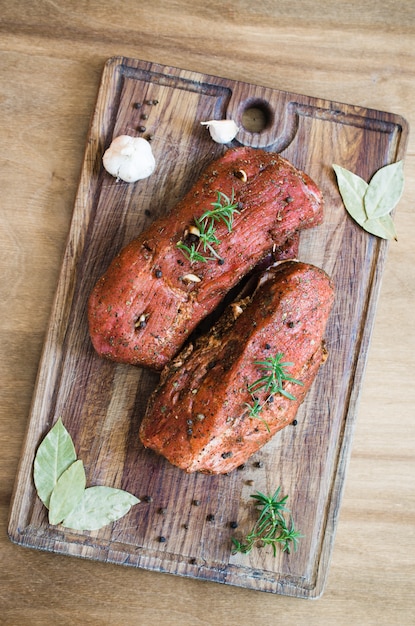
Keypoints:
(54, 455)
(352, 190)
(67, 493)
(382, 227)
(99, 506)
(384, 191)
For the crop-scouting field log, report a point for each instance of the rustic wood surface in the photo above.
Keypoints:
(52, 58)
(101, 403)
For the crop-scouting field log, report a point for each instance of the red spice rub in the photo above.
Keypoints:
(197, 417)
(143, 309)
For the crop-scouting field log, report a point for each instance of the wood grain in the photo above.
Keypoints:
(101, 403)
(52, 57)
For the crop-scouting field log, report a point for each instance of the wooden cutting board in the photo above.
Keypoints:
(102, 403)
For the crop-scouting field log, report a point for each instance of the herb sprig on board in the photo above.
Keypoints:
(201, 238)
(274, 527)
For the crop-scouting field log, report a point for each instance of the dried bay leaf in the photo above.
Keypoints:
(60, 483)
(382, 227)
(55, 454)
(68, 492)
(99, 506)
(370, 204)
(384, 191)
(352, 190)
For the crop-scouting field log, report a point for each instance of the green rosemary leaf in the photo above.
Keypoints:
(67, 493)
(98, 507)
(271, 528)
(384, 191)
(54, 455)
(192, 254)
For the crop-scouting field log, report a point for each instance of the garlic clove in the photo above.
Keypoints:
(222, 131)
(129, 158)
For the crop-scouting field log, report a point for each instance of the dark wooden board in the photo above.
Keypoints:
(102, 403)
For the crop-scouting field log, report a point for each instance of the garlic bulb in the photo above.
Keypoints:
(129, 158)
(222, 131)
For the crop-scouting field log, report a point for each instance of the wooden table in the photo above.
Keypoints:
(52, 56)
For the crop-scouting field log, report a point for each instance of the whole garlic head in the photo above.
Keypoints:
(222, 131)
(129, 158)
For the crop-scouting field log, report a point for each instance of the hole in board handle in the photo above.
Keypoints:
(257, 116)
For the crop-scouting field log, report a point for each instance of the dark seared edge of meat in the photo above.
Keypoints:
(197, 417)
(144, 307)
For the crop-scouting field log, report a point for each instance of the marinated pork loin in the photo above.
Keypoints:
(200, 417)
(152, 296)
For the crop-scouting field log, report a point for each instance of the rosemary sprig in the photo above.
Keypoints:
(207, 237)
(271, 528)
(223, 210)
(254, 410)
(272, 381)
(191, 253)
(275, 375)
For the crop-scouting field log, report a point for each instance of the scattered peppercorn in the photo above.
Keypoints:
(137, 105)
(148, 499)
(192, 561)
(233, 524)
(162, 539)
(227, 455)
(210, 517)
(159, 273)
(162, 510)
(144, 116)
(147, 213)
(267, 346)
(196, 502)
(294, 422)
(221, 261)
(258, 464)
(141, 129)
(241, 467)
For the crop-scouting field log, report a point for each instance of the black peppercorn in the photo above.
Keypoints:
(196, 502)
(259, 464)
(226, 455)
(233, 524)
(159, 273)
(148, 499)
(162, 539)
(137, 105)
(294, 422)
(210, 517)
(141, 129)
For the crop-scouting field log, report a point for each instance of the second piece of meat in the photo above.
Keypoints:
(203, 416)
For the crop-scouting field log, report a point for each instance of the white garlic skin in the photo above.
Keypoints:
(222, 131)
(129, 158)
